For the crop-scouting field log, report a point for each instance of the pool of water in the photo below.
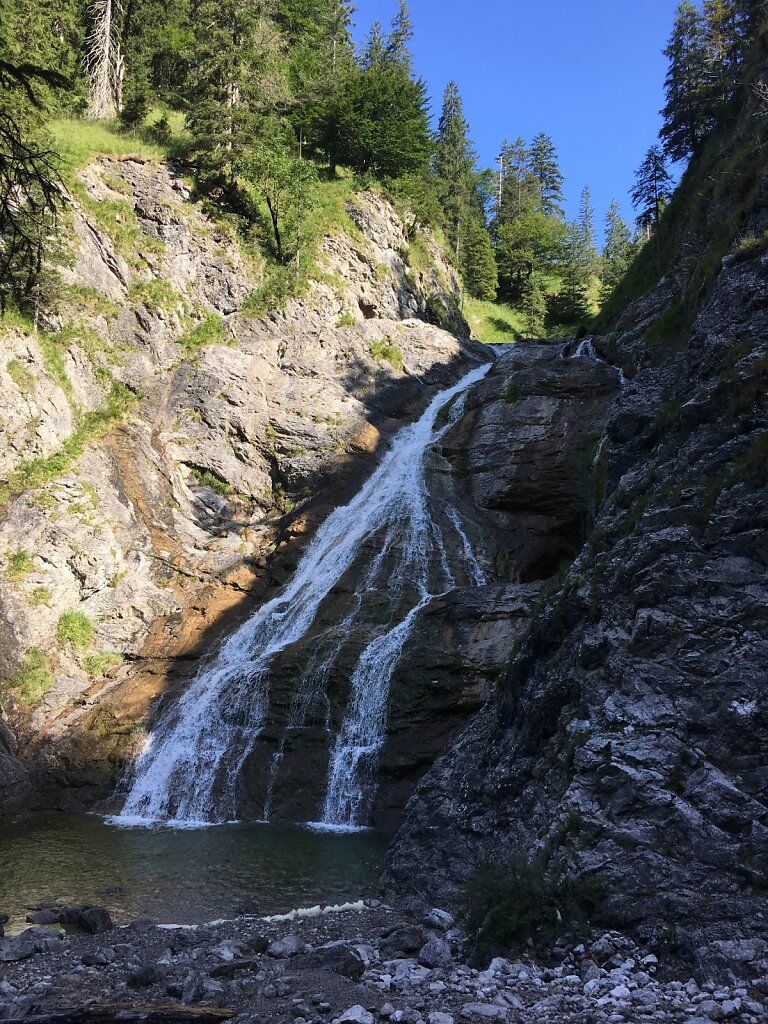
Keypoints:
(179, 876)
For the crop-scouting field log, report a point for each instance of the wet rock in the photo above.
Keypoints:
(288, 946)
(435, 953)
(338, 958)
(355, 1015)
(146, 975)
(403, 939)
(91, 919)
(44, 916)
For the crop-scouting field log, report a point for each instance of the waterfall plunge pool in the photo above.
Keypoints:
(179, 876)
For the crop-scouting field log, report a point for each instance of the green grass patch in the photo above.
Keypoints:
(156, 294)
(41, 596)
(20, 564)
(21, 376)
(75, 628)
(346, 320)
(493, 322)
(386, 352)
(88, 300)
(670, 329)
(749, 246)
(206, 478)
(32, 680)
(98, 665)
(79, 141)
(505, 907)
(33, 473)
(280, 285)
(210, 331)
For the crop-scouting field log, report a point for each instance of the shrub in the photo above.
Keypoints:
(208, 479)
(386, 352)
(75, 628)
(502, 907)
(750, 246)
(32, 680)
(20, 564)
(346, 320)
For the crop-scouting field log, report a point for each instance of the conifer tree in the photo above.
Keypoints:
(235, 78)
(545, 168)
(653, 188)
(478, 263)
(617, 251)
(587, 228)
(454, 165)
(399, 38)
(533, 306)
(687, 114)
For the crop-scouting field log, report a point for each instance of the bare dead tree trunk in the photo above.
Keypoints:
(103, 61)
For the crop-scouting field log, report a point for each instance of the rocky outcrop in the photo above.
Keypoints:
(627, 741)
(166, 452)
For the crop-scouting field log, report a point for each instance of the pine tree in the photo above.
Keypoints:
(687, 114)
(545, 168)
(618, 250)
(576, 274)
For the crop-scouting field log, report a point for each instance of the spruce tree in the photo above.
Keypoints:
(546, 170)
(617, 251)
(587, 228)
(398, 49)
(478, 263)
(653, 188)
(454, 165)
(236, 76)
(687, 114)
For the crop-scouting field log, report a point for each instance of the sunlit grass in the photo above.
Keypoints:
(493, 322)
(79, 140)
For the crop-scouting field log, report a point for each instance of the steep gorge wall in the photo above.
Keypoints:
(166, 453)
(627, 742)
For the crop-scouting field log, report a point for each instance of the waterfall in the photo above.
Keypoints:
(189, 769)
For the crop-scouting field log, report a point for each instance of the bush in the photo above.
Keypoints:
(502, 907)
(75, 628)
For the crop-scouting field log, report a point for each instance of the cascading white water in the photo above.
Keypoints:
(189, 769)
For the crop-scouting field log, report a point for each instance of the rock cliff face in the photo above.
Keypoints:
(627, 740)
(166, 452)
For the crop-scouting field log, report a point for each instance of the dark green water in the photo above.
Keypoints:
(180, 876)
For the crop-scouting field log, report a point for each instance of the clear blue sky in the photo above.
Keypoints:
(589, 73)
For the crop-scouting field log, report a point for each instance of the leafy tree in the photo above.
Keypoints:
(618, 250)
(687, 114)
(285, 184)
(545, 168)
